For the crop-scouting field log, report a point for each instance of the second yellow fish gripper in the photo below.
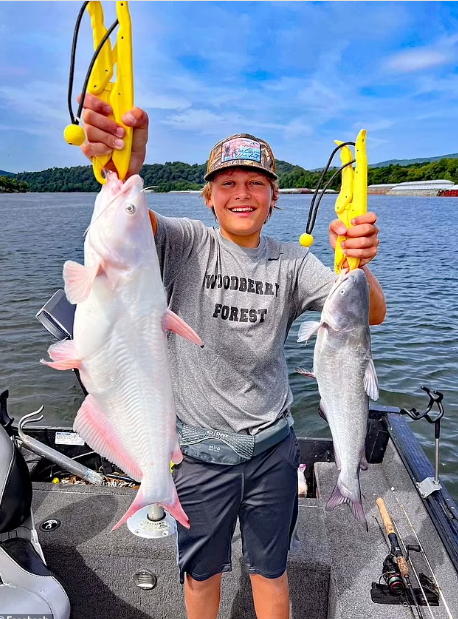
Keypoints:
(352, 198)
(119, 94)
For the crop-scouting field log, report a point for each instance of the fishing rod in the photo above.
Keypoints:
(416, 548)
(398, 556)
(425, 557)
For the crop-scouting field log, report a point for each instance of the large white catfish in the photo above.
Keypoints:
(345, 372)
(120, 346)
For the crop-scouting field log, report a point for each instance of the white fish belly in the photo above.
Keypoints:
(340, 375)
(126, 370)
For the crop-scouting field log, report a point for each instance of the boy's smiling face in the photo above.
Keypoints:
(242, 199)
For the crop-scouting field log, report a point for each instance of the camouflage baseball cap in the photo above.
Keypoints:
(241, 149)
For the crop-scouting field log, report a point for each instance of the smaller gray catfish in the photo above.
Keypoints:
(345, 372)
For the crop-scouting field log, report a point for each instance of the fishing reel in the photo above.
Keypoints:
(392, 576)
(395, 590)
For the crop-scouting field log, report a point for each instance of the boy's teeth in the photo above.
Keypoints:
(242, 210)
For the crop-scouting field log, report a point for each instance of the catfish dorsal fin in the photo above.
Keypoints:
(78, 280)
(172, 322)
(371, 381)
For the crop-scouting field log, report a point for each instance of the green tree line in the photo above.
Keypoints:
(11, 185)
(178, 176)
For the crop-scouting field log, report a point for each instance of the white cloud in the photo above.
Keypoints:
(298, 127)
(372, 126)
(202, 121)
(161, 101)
(43, 101)
(207, 122)
(418, 59)
(442, 52)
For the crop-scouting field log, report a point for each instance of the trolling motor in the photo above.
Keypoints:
(430, 484)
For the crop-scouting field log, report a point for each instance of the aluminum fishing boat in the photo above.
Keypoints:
(59, 558)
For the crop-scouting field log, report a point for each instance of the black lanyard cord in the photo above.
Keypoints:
(76, 119)
(72, 61)
(313, 214)
(313, 210)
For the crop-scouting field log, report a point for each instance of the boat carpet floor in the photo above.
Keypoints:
(330, 571)
(357, 556)
(97, 566)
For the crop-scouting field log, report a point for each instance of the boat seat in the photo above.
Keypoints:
(27, 586)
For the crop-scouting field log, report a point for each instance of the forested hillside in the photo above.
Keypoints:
(176, 176)
(11, 185)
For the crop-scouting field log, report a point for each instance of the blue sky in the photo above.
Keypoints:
(298, 74)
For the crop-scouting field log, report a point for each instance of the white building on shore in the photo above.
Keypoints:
(420, 188)
(413, 188)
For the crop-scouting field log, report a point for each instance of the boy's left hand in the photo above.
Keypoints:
(362, 239)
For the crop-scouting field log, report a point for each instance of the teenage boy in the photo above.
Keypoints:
(241, 292)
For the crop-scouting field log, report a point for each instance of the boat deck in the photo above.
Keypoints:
(330, 573)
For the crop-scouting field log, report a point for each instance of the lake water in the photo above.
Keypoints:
(417, 345)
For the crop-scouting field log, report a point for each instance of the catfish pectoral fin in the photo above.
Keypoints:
(371, 381)
(79, 280)
(307, 329)
(172, 322)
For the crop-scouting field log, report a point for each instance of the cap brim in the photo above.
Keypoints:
(248, 166)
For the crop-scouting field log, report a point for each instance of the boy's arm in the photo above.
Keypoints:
(377, 305)
(153, 219)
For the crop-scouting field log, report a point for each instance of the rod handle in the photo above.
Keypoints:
(403, 568)
(391, 532)
(387, 522)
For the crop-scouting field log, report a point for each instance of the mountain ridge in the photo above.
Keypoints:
(282, 166)
(179, 176)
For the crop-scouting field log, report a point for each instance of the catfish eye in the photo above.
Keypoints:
(342, 291)
(131, 208)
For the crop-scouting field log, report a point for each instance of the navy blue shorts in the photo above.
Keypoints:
(261, 492)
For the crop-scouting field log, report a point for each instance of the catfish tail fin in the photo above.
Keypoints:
(139, 502)
(341, 495)
(176, 511)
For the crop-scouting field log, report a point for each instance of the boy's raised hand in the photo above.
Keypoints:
(362, 239)
(104, 134)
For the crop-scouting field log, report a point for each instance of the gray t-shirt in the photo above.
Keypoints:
(242, 302)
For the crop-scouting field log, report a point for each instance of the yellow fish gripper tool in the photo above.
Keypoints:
(352, 199)
(119, 94)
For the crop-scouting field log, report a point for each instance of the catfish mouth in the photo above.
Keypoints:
(342, 277)
(345, 275)
(119, 187)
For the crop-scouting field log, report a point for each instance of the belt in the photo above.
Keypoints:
(229, 448)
